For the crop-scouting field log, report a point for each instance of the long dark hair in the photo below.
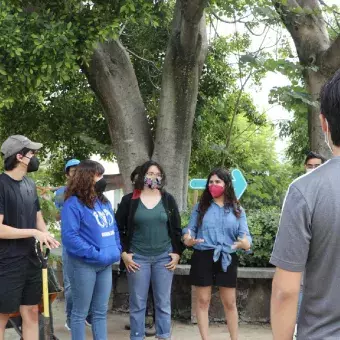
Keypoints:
(230, 200)
(143, 169)
(82, 183)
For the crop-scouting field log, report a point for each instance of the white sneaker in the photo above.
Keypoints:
(295, 332)
(67, 327)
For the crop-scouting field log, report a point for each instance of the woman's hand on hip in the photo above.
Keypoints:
(174, 261)
(130, 264)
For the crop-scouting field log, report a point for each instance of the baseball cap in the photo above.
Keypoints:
(16, 143)
(72, 162)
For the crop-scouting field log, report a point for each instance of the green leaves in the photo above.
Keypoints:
(263, 225)
(46, 44)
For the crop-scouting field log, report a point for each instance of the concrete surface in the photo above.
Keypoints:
(180, 331)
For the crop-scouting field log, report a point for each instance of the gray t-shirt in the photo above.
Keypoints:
(308, 240)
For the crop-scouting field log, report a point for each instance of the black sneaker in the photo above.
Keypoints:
(68, 325)
(127, 327)
(150, 331)
(88, 321)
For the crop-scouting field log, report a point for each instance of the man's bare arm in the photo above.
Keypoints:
(10, 233)
(46, 239)
(284, 301)
(41, 225)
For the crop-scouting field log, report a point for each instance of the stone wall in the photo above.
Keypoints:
(253, 294)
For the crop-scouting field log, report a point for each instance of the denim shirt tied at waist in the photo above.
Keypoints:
(220, 229)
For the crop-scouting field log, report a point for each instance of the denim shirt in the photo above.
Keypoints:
(220, 229)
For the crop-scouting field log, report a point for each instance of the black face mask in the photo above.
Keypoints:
(100, 186)
(33, 165)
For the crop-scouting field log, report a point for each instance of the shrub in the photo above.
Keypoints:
(263, 226)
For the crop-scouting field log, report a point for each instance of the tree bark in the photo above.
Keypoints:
(319, 56)
(183, 65)
(111, 76)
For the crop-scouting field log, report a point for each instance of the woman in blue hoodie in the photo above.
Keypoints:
(91, 239)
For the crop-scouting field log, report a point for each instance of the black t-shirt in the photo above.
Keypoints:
(19, 204)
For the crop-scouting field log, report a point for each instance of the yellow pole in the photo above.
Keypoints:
(45, 293)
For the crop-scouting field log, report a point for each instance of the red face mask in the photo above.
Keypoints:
(216, 190)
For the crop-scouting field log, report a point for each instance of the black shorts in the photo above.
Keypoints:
(205, 272)
(20, 285)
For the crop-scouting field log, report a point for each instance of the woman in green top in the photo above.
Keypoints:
(150, 228)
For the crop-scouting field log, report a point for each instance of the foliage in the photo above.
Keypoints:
(46, 43)
(46, 198)
(51, 99)
(186, 255)
(296, 129)
(246, 141)
(263, 226)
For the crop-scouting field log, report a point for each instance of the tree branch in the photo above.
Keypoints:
(253, 33)
(141, 58)
(188, 23)
(193, 10)
(182, 67)
(215, 28)
(238, 99)
(306, 26)
(329, 7)
(331, 58)
(230, 22)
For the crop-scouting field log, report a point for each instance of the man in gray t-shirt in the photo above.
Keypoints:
(308, 240)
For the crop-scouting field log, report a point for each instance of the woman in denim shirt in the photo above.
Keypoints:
(217, 228)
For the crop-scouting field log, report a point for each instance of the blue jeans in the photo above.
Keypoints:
(91, 291)
(67, 287)
(152, 268)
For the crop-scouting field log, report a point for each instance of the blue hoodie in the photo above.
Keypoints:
(90, 234)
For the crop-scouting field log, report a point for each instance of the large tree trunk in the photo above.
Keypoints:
(183, 64)
(319, 56)
(112, 78)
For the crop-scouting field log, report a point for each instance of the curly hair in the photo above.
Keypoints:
(82, 183)
(230, 200)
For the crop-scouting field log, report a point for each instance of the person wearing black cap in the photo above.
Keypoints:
(21, 224)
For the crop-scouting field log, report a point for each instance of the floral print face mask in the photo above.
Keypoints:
(152, 182)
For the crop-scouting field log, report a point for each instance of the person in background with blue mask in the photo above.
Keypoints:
(91, 239)
(70, 169)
